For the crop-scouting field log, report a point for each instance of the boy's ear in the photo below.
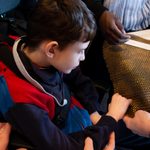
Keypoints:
(50, 48)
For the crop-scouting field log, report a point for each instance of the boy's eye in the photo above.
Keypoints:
(81, 51)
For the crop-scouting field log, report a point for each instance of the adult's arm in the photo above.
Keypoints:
(139, 124)
(108, 24)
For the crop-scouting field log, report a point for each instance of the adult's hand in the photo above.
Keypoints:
(5, 129)
(112, 28)
(139, 124)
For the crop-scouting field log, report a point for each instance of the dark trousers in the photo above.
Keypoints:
(126, 139)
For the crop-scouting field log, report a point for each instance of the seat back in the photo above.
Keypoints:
(7, 5)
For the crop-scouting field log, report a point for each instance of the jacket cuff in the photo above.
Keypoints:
(108, 121)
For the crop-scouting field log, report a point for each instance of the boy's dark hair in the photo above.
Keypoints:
(64, 21)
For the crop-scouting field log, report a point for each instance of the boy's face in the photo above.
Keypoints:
(68, 58)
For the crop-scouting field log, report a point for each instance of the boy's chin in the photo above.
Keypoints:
(68, 71)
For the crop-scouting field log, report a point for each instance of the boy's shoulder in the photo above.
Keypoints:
(20, 89)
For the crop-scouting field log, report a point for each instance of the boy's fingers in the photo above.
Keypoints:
(112, 138)
(111, 143)
(88, 144)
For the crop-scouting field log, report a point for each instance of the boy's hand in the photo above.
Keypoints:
(111, 142)
(88, 144)
(95, 117)
(110, 146)
(118, 106)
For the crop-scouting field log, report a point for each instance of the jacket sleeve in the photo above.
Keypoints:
(96, 6)
(35, 125)
(83, 89)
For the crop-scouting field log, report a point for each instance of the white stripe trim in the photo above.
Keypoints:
(138, 44)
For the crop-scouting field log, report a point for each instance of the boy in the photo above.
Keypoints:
(47, 90)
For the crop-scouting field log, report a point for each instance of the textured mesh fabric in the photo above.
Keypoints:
(129, 68)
